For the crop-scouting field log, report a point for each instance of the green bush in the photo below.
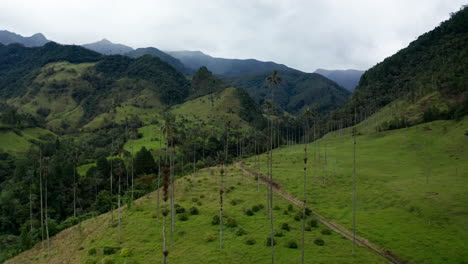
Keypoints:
(231, 222)
(276, 207)
(215, 220)
(249, 212)
(291, 244)
(313, 223)
(326, 231)
(92, 251)
(183, 217)
(319, 242)
(109, 250)
(69, 222)
(290, 207)
(255, 208)
(209, 238)
(194, 199)
(240, 232)
(194, 211)
(233, 202)
(250, 241)
(180, 210)
(269, 240)
(279, 234)
(285, 226)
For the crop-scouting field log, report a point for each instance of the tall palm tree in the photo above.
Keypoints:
(273, 81)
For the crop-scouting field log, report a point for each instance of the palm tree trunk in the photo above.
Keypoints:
(42, 199)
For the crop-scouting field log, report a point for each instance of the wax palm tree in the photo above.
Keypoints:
(272, 81)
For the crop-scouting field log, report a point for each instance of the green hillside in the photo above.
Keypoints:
(196, 240)
(411, 186)
(296, 91)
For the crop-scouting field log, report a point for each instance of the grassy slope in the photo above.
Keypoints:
(226, 107)
(152, 135)
(15, 143)
(141, 231)
(396, 209)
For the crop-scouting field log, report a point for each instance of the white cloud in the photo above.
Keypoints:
(305, 34)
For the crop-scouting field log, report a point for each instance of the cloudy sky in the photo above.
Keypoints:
(304, 34)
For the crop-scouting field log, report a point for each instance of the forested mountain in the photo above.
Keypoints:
(226, 67)
(162, 55)
(296, 90)
(347, 79)
(7, 37)
(106, 47)
(430, 75)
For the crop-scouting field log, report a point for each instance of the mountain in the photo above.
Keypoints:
(427, 80)
(225, 67)
(108, 48)
(177, 64)
(7, 37)
(348, 79)
(296, 90)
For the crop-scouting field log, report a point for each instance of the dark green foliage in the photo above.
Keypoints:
(296, 91)
(291, 244)
(312, 223)
(269, 240)
(249, 212)
(215, 220)
(319, 242)
(250, 241)
(255, 208)
(92, 251)
(240, 232)
(290, 208)
(204, 82)
(194, 211)
(183, 217)
(69, 222)
(179, 210)
(279, 234)
(285, 226)
(109, 250)
(326, 231)
(435, 62)
(144, 162)
(231, 222)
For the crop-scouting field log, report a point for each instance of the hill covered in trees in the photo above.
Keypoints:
(296, 91)
(433, 67)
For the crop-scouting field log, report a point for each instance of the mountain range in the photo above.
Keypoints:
(7, 37)
(347, 79)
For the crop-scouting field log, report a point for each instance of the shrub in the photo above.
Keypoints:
(183, 217)
(202, 196)
(210, 238)
(290, 208)
(313, 223)
(260, 206)
(279, 234)
(194, 211)
(70, 221)
(108, 250)
(126, 252)
(194, 199)
(308, 228)
(249, 212)
(180, 210)
(215, 220)
(255, 208)
(326, 231)
(276, 207)
(233, 202)
(285, 226)
(269, 240)
(250, 241)
(308, 212)
(240, 232)
(291, 244)
(199, 203)
(319, 242)
(231, 222)
(92, 251)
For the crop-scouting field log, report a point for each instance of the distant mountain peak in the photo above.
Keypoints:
(347, 79)
(8, 37)
(106, 47)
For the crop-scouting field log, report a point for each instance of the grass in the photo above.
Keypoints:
(226, 107)
(142, 237)
(16, 142)
(396, 209)
(152, 139)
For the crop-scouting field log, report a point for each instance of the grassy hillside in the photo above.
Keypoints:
(19, 141)
(196, 240)
(419, 221)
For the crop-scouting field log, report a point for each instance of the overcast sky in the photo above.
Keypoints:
(303, 34)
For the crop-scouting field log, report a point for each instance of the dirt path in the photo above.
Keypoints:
(388, 255)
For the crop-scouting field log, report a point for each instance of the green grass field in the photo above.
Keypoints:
(396, 209)
(20, 142)
(197, 240)
(152, 139)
